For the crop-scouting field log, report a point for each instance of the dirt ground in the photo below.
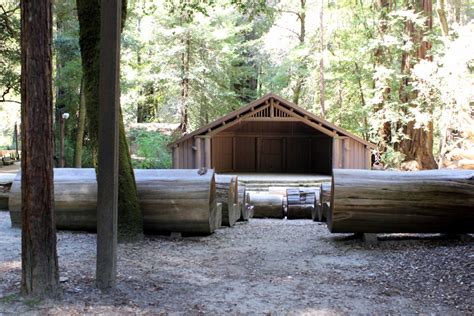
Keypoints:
(259, 267)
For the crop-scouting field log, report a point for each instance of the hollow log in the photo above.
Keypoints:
(227, 194)
(266, 205)
(433, 201)
(172, 200)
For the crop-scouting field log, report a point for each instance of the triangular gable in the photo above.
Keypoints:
(272, 107)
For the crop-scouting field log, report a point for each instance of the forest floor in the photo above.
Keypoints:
(259, 267)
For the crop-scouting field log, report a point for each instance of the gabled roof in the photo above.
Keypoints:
(284, 107)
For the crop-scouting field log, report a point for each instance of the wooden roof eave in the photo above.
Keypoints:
(324, 122)
(205, 129)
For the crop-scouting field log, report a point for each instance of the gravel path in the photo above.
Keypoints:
(262, 267)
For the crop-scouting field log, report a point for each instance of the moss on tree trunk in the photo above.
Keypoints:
(130, 217)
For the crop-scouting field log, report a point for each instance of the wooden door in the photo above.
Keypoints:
(270, 159)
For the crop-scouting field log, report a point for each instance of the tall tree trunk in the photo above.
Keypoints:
(81, 126)
(130, 218)
(301, 37)
(322, 86)
(40, 276)
(381, 58)
(443, 21)
(419, 145)
(185, 61)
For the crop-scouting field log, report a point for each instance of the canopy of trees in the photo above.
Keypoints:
(398, 73)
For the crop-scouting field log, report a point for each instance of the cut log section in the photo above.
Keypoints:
(75, 199)
(266, 205)
(227, 194)
(177, 200)
(172, 200)
(244, 212)
(301, 202)
(324, 201)
(434, 201)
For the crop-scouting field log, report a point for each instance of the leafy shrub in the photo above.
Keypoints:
(152, 150)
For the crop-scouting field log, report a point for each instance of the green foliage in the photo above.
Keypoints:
(152, 150)
(9, 50)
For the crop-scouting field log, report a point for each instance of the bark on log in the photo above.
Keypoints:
(175, 200)
(434, 201)
(324, 201)
(172, 200)
(244, 211)
(315, 210)
(227, 194)
(75, 199)
(266, 205)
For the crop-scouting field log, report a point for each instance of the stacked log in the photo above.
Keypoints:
(434, 201)
(227, 194)
(300, 203)
(324, 201)
(265, 205)
(172, 200)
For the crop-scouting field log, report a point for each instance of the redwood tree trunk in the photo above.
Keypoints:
(38, 239)
(81, 126)
(419, 146)
(130, 218)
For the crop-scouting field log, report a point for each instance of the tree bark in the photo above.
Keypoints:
(40, 276)
(266, 205)
(227, 195)
(419, 145)
(322, 84)
(443, 21)
(172, 200)
(430, 201)
(381, 58)
(301, 37)
(130, 218)
(81, 127)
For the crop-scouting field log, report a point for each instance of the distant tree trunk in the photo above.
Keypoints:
(301, 37)
(40, 276)
(130, 218)
(81, 126)
(419, 146)
(185, 61)
(381, 58)
(443, 21)
(322, 86)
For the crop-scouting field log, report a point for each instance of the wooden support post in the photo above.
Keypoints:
(208, 152)
(107, 182)
(198, 153)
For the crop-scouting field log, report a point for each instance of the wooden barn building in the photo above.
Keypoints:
(273, 135)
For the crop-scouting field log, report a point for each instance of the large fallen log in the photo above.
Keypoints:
(177, 200)
(266, 205)
(434, 201)
(75, 199)
(172, 200)
(227, 194)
